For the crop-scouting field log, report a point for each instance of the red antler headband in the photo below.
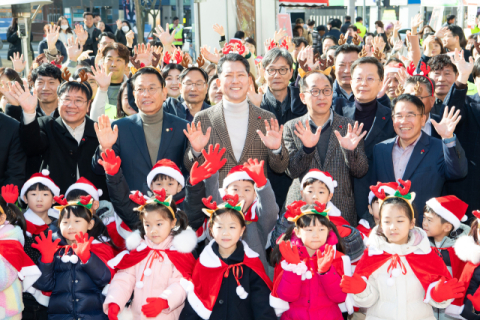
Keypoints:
(401, 192)
(424, 71)
(231, 202)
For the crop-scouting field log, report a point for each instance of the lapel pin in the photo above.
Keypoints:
(383, 118)
(340, 126)
(421, 152)
(259, 117)
(167, 130)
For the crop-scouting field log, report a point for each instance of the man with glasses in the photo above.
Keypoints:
(367, 81)
(413, 155)
(67, 143)
(323, 140)
(146, 137)
(193, 90)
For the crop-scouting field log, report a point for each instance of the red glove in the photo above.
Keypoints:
(198, 174)
(10, 193)
(324, 261)
(289, 253)
(255, 171)
(113, 310)
(354, 284)
(452, 289)
(213, 159)
(343, 231)
(82, 247)
(154, 306)
(46, 246)
(110, 163)
(475, 300)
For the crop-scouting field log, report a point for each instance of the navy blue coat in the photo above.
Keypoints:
(76, 288)
(430, 165)
(42, 45)
(175, 107)
(131, 146)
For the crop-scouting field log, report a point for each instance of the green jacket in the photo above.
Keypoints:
(362, 28)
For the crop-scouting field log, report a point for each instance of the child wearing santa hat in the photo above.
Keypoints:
(18, 272)
(38, 193)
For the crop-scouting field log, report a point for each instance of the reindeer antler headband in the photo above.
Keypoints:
(159, 197)
(295, 212)
(85, 201)
(82, 78)
(401, 192)
(231, 202)
(424, 71)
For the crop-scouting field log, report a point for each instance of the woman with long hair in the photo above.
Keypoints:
(65, 31)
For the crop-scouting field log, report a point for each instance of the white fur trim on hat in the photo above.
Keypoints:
(46, 182)
(444, 213)
(175, 174)
(95, 193)
(236, 176)
(319, 175)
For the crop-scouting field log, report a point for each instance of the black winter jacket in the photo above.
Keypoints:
(469, 311)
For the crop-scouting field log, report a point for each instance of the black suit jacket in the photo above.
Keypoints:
(61, 153)
(91, 43)
(12, 156)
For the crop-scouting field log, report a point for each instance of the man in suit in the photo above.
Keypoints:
(143, 138)
(315, 141)
(93, 33)
(413, 155)
(66, 144)
(12, 157)
(367, 80)
(237, 125)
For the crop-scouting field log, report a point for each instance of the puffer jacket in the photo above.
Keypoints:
(405, 298)
(315, 298)
(76, 287)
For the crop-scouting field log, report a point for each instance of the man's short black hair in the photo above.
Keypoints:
(239, 34)
(441, 61)
(368, 34)
(358, 19)
(232, 57)
(175, 18)
(185, 71)
(299, 40)
(321, 28)
(347, 48)
(370, 60)
(95, 15)
(335, 40)
(83, 87)
(348, 18)
(394, 59)
(336, 23)
(476, 69)
(457, 31)
(273, 55)
(87, 14)
(311, 23)
(47, 70)
(409, 98)
(450, 17)
(303, 81)
(107, 34)
(148, 71)
(353, 27)
(171, 66)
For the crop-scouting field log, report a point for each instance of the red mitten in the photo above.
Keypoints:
(354, 284)
(110, 163)
(199, 173)
(255, 171)
(46, 246)
(154, 306)
(289, 253)
(324, 261)
(82, 247)
(213, 159)
(113, 310)
(475, 300)
(452, 289)
(10, 193)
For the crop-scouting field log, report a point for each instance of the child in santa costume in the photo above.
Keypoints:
(17, 270)
(318, 186)
(153, 268)
(309, 263)
(74, 266)
(38, 193)
(229, 280)
(399, 275)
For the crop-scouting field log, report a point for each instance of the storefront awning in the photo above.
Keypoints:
(303, 3)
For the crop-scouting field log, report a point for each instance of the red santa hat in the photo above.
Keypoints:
(87, 186)
(389, 189)
(235, 174)
(43, 178)
(449, 208)
(168, 168)
(322, 176)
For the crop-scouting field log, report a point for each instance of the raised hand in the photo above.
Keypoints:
(53, 32)
(273, 137)
(402, 76)
(82, 246)
(397, 25)
(446, 127)
(212, 57)
(441, 33)
(6, 90)
(74, 49)
(84, 55)
(464, 68)
(219, 29)
(101, 77)
(18, 62)
(110, 163)
(354, 284)
(130, 36)
(154, 306)
(82, 34)
(10, 193)
(113, 310)
(386, 82)
(289, 253)
(46, 246)
(197, 139)
(28, 101)
(352, 138)
(445, 290)
(378, 44)
(105, 134)
(415, 23)
(278, 35)
(255, 170)
(199, 173)
(398, 45)
(325, 259)
(213, 158)
(164, 35)
(475, 299)
(305, 134)
(143, 53)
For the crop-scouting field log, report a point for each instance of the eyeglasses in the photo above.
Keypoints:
(409, 116)
(150, 91)
(77, 103)
(316, 92)
(190, 85)
(369, 80)
(282, 71)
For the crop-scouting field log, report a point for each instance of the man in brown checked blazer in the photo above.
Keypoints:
(323, 140)
(237, 125)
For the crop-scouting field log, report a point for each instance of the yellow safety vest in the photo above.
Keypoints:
(177, 34)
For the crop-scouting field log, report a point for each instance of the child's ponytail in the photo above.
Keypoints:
(182, 222)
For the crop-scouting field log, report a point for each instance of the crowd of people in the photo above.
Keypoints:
(334, 177)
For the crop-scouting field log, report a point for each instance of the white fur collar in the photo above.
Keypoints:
(417, 244)
(209, 259)
(467, 250)
(334, 211)
(184, 242)
(36, 220)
